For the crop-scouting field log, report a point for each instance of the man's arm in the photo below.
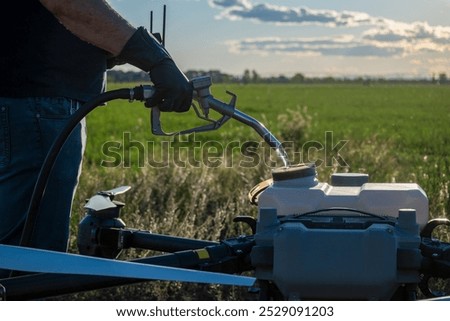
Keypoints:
(93, 21)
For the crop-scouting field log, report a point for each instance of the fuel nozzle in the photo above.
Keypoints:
(206, 101)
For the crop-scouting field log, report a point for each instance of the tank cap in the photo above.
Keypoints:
(294, 171)
(349, 179)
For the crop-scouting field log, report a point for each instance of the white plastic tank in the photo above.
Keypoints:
(296, 190)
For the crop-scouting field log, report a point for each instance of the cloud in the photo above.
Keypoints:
(382, 37)
(230, 3)
(417, 34)
(326, 46)
(244, 9)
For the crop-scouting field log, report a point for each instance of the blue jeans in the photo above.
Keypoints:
(28, 128)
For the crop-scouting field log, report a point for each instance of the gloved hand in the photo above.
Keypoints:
(173, 90)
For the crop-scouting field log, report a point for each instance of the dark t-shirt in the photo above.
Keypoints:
(40, 57)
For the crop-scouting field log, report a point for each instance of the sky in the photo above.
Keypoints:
(339, 38)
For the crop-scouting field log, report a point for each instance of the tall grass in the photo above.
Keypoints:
(393, 133)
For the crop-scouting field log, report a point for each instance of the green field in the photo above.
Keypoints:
(395, 133)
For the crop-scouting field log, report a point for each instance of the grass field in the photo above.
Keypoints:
(395, 133)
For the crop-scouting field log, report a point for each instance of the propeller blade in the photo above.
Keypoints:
(116, 191)
(43, 261)
(99, 202)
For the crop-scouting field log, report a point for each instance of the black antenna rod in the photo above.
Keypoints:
(151, 21)
(164, 26)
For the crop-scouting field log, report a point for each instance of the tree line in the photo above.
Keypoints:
(253, 77)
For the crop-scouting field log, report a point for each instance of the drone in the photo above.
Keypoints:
(347, 240)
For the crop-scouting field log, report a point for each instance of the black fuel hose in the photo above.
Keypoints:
(139, 93)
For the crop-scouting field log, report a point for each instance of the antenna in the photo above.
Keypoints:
(164, 26)
(151, 21)
(163, 38)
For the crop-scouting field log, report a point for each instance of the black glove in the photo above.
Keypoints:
(173, 90)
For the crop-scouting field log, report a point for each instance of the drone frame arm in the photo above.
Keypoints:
(228, 257)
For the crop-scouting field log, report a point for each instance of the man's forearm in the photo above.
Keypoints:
(93, 21)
